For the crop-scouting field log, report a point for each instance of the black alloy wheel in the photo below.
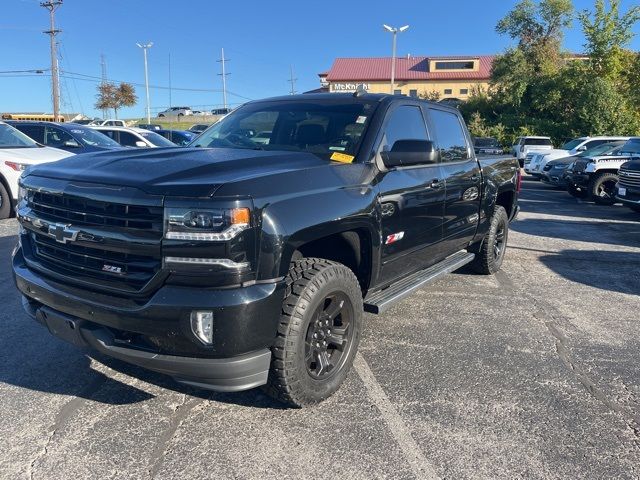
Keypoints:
(329, 336)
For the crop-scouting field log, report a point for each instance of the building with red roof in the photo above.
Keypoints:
(446, 77)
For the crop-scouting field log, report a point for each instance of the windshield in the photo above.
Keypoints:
(570, 145)
(632, 146)
(604, 149)
(13, 138)
(323, 128)
(157, 140)
(92, 138)
(538, 141)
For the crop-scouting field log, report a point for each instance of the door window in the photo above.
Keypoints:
(452, 142)
(128, 140)
(56, 137)
(405, 123)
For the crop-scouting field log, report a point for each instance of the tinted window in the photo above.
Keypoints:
(594, 143)
(128, 139)
(454, 65)
(56, 137)
(112, 134)
(157, 140)
(405, 123)
(36, 132)
(452, 142)
(537, 141)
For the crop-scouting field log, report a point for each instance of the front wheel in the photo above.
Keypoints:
(602, 188)
(491, 253)
(5, 203)
(318, 334)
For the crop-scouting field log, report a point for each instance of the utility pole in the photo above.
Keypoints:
(103, 67)
(224, 79)
(144, 48)
(52, 6)
(395, 32)
(292, 80)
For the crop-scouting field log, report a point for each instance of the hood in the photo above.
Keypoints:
(189, 172)
(33, 156)
(562, 161)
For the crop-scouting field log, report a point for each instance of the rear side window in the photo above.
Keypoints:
(56, 137)
(452, 142)
(36, 132)
(405, 123)
(128, 140)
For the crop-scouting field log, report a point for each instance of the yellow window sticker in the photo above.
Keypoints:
(342, 157)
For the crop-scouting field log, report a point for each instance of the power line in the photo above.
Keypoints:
(52, 6)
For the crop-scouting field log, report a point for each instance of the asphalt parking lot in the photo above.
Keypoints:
(532, 373)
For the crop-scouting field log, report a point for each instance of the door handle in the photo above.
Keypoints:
(436, 183)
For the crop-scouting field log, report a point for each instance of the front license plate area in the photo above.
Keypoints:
(63, 327)
(622, 191)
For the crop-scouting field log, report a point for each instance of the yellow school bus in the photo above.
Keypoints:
(38, 117)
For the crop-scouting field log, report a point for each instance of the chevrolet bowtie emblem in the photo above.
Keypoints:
(63, 233)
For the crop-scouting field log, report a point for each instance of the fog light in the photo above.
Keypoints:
(202, 326)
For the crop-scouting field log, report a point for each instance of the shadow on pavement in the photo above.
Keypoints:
(605, 270)
(609, 233)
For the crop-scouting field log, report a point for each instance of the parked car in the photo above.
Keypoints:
(487, 146)
(199, 112)
(199, 127)
(179, 137)
(261, 138)
(17, 152)
(525, 145)
(595, 178)
(628, 188)
(538, 160)
(135, 137)
(86, 121)
(245, 264)
(220, 111)
(554, 171)
(176, 112)
(150, 126)
(71, 137)
(108, 123)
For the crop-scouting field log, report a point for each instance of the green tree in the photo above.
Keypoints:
(111, 96)
(608, 32)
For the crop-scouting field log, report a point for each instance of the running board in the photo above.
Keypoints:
(379, 301)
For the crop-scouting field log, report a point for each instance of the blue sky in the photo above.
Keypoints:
(262, 39)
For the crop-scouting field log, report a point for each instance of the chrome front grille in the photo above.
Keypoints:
(629, 178)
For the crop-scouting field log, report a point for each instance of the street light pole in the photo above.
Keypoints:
(395, 32)
(144, 48)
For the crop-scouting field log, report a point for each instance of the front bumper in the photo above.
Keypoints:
(553, 177)
(577, 179)
(631, 198)
(157, 334)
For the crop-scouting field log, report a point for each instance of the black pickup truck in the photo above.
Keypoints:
(249, 258)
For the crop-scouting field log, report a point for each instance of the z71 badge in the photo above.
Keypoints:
(111, 268)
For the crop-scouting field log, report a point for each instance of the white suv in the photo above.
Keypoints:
(538, 160)
(176, 112)
(525, 145)
(18, 153)
(135, 137)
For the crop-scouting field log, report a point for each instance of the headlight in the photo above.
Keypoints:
(205, 224)
(22, 193)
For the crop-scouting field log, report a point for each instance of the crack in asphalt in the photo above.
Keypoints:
(64, 414)
(179, 415)
(564, 353)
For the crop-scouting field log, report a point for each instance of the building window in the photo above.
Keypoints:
(413, 93)
(448, 91)
(454, 65)
(397, 92)
(464, 91)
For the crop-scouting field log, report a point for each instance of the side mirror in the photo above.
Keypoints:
(140, 144)
(71, 144)
(410, 152)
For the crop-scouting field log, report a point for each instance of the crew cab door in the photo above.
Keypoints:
(411, 198)
(462, 178)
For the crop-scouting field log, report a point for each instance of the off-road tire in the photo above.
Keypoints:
(310, 282)
(574, 192)
(5, 203)
(596, 186)
(487, 262)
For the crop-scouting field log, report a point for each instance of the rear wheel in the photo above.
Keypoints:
(575, 192)
(491, 253)
(5, 203)
(318, 334)
(602, 188)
